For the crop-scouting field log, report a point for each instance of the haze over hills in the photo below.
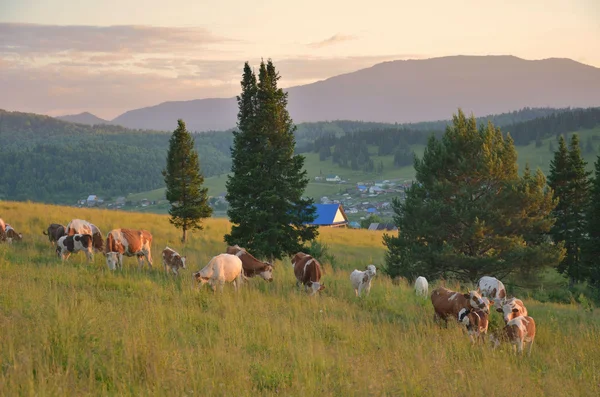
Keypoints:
(84, 118)
(404, 91)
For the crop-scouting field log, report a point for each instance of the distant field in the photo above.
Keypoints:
(78, 329)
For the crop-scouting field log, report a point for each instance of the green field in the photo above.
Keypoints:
(75, 328)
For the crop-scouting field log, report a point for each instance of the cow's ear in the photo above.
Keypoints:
(515, 310)
(322, 287)
(499, 310)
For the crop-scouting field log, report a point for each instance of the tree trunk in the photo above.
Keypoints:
(184, 236)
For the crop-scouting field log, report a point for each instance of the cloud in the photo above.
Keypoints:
(335, 39)
(25, 38)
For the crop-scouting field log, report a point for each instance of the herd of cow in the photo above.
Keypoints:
(470, 309)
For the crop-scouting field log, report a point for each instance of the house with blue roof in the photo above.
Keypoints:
(332, 215)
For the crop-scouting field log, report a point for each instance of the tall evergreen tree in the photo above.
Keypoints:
(189, 200)
(265, 189)
(591, 245)
(558, 179)
(469, 213)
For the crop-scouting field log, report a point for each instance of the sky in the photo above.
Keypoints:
(108, 56)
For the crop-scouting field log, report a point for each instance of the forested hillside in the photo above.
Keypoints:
(45, 159)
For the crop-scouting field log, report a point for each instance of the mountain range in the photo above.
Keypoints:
(399, 91)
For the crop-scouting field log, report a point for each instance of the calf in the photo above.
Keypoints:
(172, 260)
(492, 288)
(476, 321)
(55, 231)
(448, 304)
(361, 280)
(512, 308)
(67, 245)
(128, 242)
(308, 272)
(421, 287)
(250, 264)
(12, 235)
(518, 331)
(221, 269)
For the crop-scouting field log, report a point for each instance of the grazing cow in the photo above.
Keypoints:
(308, 272)
(172, 260)
(518, 331)
(250, 264)
(55, 231)
(476, 321)
(448, 304)
(421, 287)
(11, 234)
(84, 227)
(221, 269)
(67, 245)
(361, 280)
(128, 242)
(492, 288)
(512, 308)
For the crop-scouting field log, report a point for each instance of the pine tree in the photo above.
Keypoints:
(189, 201)
(264, 191)
(469, 213)
(591, 245)
(557, 180)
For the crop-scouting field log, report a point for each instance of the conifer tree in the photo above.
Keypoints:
(469, 213)
(591, 245)
(264, 191)
(189, 200)
(557, 180)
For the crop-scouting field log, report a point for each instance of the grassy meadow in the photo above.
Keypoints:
(75, 328)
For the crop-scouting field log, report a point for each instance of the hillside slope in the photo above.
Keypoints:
(405, 91)
(83, 118)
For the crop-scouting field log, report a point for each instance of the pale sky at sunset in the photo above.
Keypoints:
(109, 56)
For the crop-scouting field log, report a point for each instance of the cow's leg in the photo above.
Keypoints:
(140, 259)
(148, 255)
(356, 291)
(120, 260)
(89, 255)
(66, 256)
(530, 347)
(520, 346)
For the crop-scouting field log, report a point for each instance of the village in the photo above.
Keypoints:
(366, 205)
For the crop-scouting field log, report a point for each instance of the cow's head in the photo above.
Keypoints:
(371, 270)
(183, 262)
(198, 277)
(463, 317)
(476, 301)
(315, 287)
(267, 272)
(111, 260)
(511, 309)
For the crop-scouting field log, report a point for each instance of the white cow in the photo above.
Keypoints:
(422, 287)
(67, 245)
(361, 281)
(221, 268)
(493, 289)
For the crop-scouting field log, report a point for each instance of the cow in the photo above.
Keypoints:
(221, 269)
(448, 304)
(67, 245)
(250, 264)
(492, 288)
(308, 272)
(172, 260)
(55, 231)
(512, 308)
(81, 226)
(11, 234)
(421, 287)
(476, 321)
(361, 280)
(2, 230)
(518, 331)
(128, 242)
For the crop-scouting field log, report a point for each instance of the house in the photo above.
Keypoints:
(92, 200)
(383, 226)
(333, 178)
(145, 202)
(375, 190)
(332, 215)
(354, 225)
(120, 200)
(361, 188)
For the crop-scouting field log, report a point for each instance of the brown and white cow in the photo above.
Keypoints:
(81, 226)
(448, 304)
(250, 264)
(128, 242)
(308, 272)
(518, 331)
(221, 269)
(2, 230)
(476, 321)
(492, 288)
(55, 231)
(12, 234)
(172, 260)
(67, 245)
(512, 308)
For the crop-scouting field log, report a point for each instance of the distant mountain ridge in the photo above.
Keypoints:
(404, 91)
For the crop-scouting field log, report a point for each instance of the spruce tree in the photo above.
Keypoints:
(264, 191)
(557, 179)
(591, 245)
(189, 201)
(469, 213)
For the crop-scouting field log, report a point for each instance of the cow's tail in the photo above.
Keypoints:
(44, 233)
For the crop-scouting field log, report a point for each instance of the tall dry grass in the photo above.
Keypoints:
(78, 329)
